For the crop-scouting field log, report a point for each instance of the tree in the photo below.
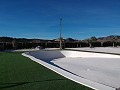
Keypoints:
(91, 40)
(113, 39)
(14, 44)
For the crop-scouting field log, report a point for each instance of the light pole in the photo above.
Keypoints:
(60, 33)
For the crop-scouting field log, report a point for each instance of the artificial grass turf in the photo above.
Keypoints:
(21, 73)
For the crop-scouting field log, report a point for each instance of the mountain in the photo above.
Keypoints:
(110, 38)
(70, 40)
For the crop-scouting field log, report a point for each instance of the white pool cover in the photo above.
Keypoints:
(95, 70)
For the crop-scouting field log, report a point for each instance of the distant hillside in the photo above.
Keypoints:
(70, 40)
(10, 39)
(107, 38)
(110, 38)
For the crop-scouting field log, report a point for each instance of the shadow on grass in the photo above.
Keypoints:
(9, 85)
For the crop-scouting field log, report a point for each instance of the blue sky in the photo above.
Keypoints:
(41, 18)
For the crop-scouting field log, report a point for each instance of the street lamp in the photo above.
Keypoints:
(60, 33)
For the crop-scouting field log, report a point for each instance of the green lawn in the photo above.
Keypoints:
(21, 73)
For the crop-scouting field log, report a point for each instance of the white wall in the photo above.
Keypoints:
(88, 54)
(50, 55)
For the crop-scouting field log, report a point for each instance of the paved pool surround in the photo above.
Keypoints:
(96, 70)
